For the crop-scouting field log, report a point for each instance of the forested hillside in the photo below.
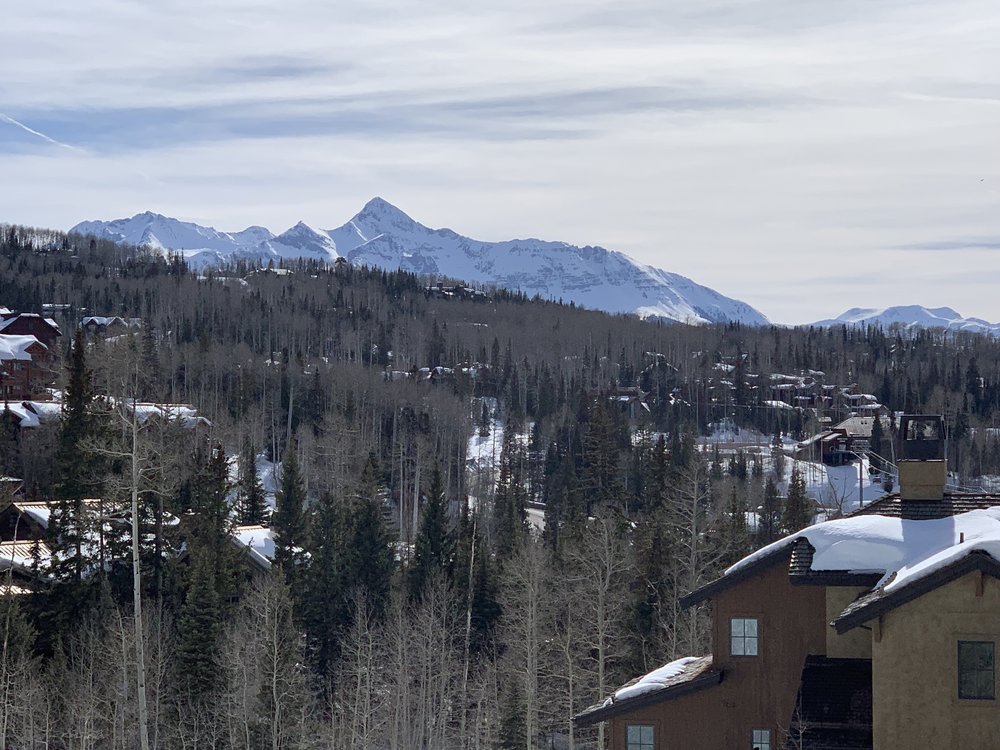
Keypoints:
(410, 602)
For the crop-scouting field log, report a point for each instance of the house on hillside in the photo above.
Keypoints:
(27, 367)
(632, 401)
(258, 543)
(842, 443)
(108, 325)
(44, 329)
(875, 631)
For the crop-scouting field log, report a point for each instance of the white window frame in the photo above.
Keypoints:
(760, 739)
(646, 739)
(744, 636)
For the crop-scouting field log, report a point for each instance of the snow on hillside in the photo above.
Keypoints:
(911, 316)
(205, 246)
(382, 235)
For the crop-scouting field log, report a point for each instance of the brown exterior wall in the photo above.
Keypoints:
(756, 692)
(33, 326)
(27, 379)
(915, 670)
(854, 644)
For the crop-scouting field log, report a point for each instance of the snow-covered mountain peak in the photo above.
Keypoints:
(384, 236)
(911, 316)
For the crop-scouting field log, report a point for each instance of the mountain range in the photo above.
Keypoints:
(382, 235)
(911, 316)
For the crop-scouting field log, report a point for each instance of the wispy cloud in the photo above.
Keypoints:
(945, 246)
(11, 121)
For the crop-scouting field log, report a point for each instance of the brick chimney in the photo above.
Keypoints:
(923, 469)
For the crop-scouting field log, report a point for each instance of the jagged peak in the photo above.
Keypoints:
(379, 209)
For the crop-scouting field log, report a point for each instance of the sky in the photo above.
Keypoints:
(804, 156)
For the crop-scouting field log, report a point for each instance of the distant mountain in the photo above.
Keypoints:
(382, 235)
(912, 316)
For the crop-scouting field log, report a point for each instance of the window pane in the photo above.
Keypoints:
(750, 627)
(751, 647)
(639, 737)
(736, 625)
(976, 679)
(737, 647)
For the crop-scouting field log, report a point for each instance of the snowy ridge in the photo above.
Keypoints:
(382, 235)
(205, 246)
(911, 316)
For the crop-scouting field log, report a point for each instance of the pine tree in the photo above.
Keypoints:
(252, 505)
(510, 513)
(434, 548)
(289, 520)
(199, 628)
(798, 511)
(69, 524)
(370, 561)
(327, 614)
(736, 531)
(770, 512)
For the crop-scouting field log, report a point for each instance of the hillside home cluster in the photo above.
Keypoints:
(25, 556)
(28, 355)
(875, 631)
(806, 390)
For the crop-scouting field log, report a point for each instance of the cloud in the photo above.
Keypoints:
(11, 121)
(952, 245)
(778, 150)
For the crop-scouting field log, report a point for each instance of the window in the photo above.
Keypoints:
(639, 737)
(975, 670)
(743, 636)
(760, 739)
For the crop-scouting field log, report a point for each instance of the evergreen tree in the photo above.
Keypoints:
(289, 519)
(736, 531)
(327, 612)
(777, 456)
(877, 444)
(510, 513)
(798, 511)
(252, 505)
(370, 560)
(769, 513)
(199, 628)
(69, 524)
(434, 548)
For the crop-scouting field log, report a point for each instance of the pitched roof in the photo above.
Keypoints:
(16, 347)
(900, 590)
(676, 678)
(743, 570)
(952, 504)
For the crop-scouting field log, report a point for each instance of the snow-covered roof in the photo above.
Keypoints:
(687, 673)
(21, 555)
(16, 347)
(887, 545)
(185, 414)
(655, 680)
(33, 413)
(258, 541)
(9, 321)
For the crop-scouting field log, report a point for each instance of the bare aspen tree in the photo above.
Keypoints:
(524, 598)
